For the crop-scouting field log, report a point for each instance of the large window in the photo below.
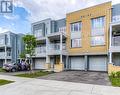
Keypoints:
(97, 31)
(76, 34)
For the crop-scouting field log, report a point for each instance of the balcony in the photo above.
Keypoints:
(54, 49)
(2, 55)
(40, 51)
(115, 47)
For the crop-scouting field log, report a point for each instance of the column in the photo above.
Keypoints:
(47, 50)
(61, 61)
(5, 54)
(110, 36)
(110, 53)
(47, 55)
(86, 63)
(47, 59)
(110, 58)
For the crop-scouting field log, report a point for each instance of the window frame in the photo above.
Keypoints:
(93, 35)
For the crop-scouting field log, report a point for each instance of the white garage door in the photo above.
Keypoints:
(40, 63)
(77, 63)
(98, 63)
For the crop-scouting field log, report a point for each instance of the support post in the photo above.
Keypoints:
(110, 36)
(5, 54)
(86, 63)
(61, 61)
(110, 57)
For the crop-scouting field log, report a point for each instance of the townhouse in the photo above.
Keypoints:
(114, 40)
(11, 45)
(86, 39)
(51, 44)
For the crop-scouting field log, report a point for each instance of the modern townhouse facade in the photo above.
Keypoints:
(114, 46)
(84, 40)
(11, 45)
(51, 44)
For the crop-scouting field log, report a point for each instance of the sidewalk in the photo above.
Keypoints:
(28, 86)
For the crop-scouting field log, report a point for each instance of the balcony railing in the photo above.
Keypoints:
(40, 51)
(115, 47)
(55, 48)
(2, 55)
(116, 41)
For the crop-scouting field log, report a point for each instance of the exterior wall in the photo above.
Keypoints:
(116, 13)
(58, 67)
(45, 25)
(112, 68)
(85, 16)
(60, 23)
(14, 43)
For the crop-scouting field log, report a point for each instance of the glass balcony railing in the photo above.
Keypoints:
(55, 48)
(3, 55)
(40, 50)
(116, 41)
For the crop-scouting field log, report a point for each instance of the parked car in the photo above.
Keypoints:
(16, 67)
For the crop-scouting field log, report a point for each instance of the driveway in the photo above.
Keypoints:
(99, 78)
(29, 86)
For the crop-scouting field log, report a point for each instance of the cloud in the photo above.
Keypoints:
(2, 30)
(11, 17)
(42, 9)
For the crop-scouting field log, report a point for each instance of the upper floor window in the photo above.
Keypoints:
(2, 41)
(76, 38)
(38, 33)
(76, 27)
(97, 31)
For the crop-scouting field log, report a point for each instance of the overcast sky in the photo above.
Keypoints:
(28, 11)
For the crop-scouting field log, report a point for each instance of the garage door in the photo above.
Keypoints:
(98, 63)
(40, 63)
(77, 63)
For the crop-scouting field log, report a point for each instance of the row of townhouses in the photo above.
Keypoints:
(87, 39)
(11, 46)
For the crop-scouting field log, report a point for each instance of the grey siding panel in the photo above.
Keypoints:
(116, 10)
(60, 23)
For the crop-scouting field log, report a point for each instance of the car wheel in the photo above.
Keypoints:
(13, 70)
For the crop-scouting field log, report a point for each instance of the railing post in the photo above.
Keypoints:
(5, 54)
(110, 57)
(110, 35)
(61, 48)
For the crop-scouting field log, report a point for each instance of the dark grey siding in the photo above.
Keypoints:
(116, 10)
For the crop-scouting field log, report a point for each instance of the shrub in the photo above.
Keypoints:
(113, 75)
(118, 74)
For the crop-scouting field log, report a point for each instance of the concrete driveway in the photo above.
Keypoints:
(28, 86)
(99, 78)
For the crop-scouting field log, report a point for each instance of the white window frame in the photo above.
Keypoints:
(95, 31)
(78, 43)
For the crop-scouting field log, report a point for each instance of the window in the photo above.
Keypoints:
(76, 27)
(75, 43)
(38, 33)
(97, 31)
(2, 41)
(76, 34)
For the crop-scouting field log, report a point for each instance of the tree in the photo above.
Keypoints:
(22, 55)
(30, 44)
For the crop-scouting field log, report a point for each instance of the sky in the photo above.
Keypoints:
(26, 12)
